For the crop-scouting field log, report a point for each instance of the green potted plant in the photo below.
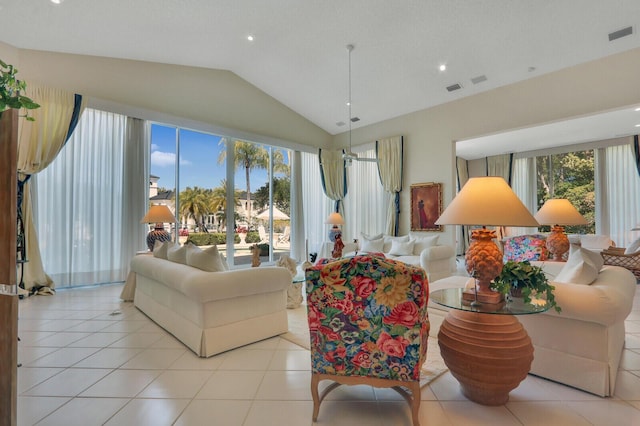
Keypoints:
(10, 88)
(522, 279)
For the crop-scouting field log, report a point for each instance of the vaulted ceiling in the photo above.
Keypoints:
(299, 57)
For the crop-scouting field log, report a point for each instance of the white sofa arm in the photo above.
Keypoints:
(436, 253)
(606, 301)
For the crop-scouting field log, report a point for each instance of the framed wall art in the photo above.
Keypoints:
(426, 206)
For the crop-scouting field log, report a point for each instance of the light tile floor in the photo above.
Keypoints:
(89, 358)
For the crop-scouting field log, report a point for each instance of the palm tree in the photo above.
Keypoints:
(219, 200)
(195, 203)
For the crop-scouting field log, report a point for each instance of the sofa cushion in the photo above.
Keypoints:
(389, 239)
(366, 237)
(423, 242)
(400, 248)
(160, 249)
(177, 253)
(372, 246)
(525, 247)
(581, 268)
(206, 260)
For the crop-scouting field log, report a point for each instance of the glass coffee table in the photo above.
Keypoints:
(485, 347)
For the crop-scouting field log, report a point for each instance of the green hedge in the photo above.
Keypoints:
(253, 237)
(211, 238)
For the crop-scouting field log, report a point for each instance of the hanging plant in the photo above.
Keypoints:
(10, 89)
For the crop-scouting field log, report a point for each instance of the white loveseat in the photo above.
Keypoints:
(212, 312)
(582, 345)
(437, 260)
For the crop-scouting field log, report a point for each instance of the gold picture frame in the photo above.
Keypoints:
(426, 206)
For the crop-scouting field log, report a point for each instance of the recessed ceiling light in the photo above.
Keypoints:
(56, 1)
(250, 37)
(637, 125)
(637, 109)
(442, 67)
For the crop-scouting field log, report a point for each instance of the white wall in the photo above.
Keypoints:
(200, 95)
(593, 87)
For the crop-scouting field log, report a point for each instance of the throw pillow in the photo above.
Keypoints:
(388, 240)
(366, 237)
(525, 247)
(160, 249)
(177, 253)
(372, 246)
(399, 248)
(422, 243)
(634, 247)
(207, 260)
(579, 269)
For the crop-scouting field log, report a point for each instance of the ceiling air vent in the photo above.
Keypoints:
(340, 123)
(479, 79)
(454, 87)
(620, 33)
(355, 119)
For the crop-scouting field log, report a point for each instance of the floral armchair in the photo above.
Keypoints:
(368, 325)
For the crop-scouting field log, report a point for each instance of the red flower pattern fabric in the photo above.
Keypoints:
(368, 317)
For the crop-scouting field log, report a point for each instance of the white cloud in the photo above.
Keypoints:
(154, 147)
(162, 159)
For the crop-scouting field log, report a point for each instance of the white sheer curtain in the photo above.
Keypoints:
(617, 194)
(90, 201)
(316, 205)
(523, 183)
(366, 203)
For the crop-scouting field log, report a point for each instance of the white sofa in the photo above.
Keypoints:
(212, 312)
(582, 345)
(437, 260)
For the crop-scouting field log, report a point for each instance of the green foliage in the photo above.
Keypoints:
(208, 239)
(569, 176)
(281, 194)
(10, 88)
(264, 249)
(530, 279)
(252, 237)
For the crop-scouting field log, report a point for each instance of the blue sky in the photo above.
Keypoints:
(198, 160)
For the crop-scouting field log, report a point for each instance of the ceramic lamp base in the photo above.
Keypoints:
(484, 262)
(157, 235)
(557, 243)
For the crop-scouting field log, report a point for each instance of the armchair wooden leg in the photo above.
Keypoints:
(315, 381)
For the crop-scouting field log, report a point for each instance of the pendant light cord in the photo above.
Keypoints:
(350, 48)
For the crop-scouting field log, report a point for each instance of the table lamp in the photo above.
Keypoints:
(558, 212)
(158, 214)
(485, 201)
(334, 219)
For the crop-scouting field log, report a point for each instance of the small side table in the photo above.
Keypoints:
(486, 348)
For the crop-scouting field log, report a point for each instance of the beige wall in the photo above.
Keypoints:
(215, 97)
(606, 84)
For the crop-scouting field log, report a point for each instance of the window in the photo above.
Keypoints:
(236, 207)
(571, 176)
